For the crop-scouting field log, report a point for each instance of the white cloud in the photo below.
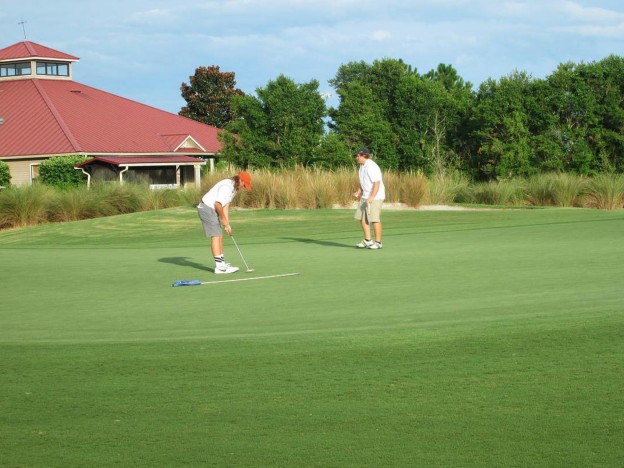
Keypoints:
(152, 16)
(158, 44)
(380, 35)
(613, 32)
(576, 11)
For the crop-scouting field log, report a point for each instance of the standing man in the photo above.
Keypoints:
(214, 213)
(372, 193)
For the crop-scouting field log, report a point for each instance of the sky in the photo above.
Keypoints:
(145, 49)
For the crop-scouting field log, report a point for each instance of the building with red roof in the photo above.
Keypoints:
(45, 113)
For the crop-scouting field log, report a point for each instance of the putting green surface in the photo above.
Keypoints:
(472, 338)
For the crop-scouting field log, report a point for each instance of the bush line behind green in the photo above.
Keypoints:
(309, 189)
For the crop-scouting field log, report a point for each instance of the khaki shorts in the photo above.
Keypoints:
(210, 221)
(375, 211)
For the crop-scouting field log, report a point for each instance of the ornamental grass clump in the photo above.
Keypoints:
(555, 189)
(450, 188)
(413, 189)
(160, 199)
(74, 205)
(118, 198)
(605, 192)
(25, 206)
(499, 193)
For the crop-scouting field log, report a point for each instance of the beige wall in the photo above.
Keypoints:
(21, 170)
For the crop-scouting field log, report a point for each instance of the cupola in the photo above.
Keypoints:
(27, 60)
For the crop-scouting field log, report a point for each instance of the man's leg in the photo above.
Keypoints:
(365, 228)
(216, 244)
(217, 251)
(377, 231)
(376, 222)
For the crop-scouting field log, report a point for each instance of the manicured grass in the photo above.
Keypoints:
(474, 338)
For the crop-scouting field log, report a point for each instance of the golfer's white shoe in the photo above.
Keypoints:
(223, 268)
(364, 244)
(375, 245)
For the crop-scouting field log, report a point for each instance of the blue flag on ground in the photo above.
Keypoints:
(186, 283)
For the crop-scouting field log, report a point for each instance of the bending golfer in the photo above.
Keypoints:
(372, 193)
(214, 213)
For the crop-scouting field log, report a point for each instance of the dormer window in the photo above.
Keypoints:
(15, 69)
(52, 68)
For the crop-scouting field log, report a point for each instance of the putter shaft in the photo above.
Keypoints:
(241, 254)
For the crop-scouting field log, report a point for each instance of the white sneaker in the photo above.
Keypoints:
(225, 268)
(376, 245)
(364, 244)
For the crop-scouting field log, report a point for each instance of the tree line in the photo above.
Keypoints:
(435, 123)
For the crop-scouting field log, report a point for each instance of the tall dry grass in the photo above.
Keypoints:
(447, 189)
(301, 188)
(499, 193)
(557, 189)
(25, 206)
(298, 189)
(605, 192)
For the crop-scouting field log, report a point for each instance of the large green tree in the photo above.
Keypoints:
(367, 107)
(360, 121)
(430, 115)
(588, 100)
(282, 126)
(410, 121)
(208, 96)
(500, 123)
(515, 126)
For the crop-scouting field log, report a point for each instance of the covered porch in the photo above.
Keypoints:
(155, 171)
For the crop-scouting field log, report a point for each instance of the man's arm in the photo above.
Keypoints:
(223, 213)
(374, 191)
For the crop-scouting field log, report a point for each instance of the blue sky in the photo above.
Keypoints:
(143, 50)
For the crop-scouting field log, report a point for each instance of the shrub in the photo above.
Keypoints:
(450, 188)
(74, 205)
(24, 206)
(115, 198)
(300, 188)
(606, 192)
(569, 189)
(413, 189)
(5, 174)
(160, 199)
(509, 192)
(555, 189)
(59, 172)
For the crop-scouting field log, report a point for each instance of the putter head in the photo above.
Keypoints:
(249, 270)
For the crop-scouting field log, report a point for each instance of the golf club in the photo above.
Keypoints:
(249, 270)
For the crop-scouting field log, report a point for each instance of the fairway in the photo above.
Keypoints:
(473, 338)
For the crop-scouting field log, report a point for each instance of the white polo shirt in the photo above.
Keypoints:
(369, 174)
(222, 192)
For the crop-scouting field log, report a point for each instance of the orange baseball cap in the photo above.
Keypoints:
(245, 178)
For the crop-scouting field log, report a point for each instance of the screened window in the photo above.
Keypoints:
(15, 69)
(52, 68)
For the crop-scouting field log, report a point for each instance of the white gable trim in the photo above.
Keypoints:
(190, 142)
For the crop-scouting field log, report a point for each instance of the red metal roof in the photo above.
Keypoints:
(45, 117)
(28, 49)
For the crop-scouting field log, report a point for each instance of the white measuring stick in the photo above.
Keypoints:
(249, 279)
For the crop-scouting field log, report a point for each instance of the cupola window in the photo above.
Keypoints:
(15, 69)
(52, 68)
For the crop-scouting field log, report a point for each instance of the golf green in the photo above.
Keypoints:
(473, 338)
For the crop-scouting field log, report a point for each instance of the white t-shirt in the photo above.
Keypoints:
(222, 192)
(369, 174)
